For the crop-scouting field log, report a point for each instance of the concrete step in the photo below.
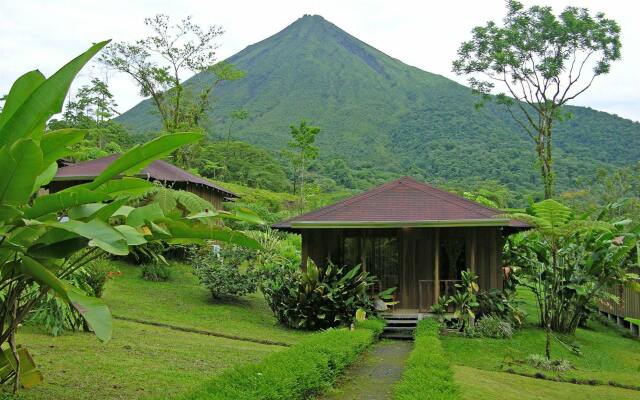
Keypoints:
(400, 328)
(400, 316)
(393, 321)
(397, 336)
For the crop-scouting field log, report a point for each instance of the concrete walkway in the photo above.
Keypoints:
(373, 376)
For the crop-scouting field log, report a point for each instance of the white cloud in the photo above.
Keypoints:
(44, 34)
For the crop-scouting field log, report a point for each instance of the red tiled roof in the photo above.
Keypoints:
(158, 170)
(403, 202)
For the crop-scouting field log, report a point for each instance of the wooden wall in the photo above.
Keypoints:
(629, 305)
(417, 251)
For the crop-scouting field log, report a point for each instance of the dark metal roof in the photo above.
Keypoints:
(404, 202)
(158, 170)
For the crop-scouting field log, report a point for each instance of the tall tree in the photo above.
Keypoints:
(93, 105)
(92, 108)
(237, 115)
(159, 62)
(302, 142)
(542, 61)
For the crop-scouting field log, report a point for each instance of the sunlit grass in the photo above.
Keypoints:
(605, 356)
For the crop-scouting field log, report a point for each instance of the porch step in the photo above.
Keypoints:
(399, 326)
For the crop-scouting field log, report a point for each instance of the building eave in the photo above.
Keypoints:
(399, 224)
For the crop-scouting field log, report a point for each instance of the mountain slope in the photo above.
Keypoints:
(376, 111)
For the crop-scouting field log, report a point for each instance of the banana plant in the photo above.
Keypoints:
(569, 261)
(45, 237)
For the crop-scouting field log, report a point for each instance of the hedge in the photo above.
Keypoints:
(427, 374)
(295, 373)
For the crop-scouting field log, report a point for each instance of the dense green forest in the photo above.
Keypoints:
(381, 118)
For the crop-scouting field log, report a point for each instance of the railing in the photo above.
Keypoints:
(426, 292)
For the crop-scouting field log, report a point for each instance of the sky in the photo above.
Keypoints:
(44, 35)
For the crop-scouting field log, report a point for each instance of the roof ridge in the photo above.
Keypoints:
(353, 199)
(448, 197)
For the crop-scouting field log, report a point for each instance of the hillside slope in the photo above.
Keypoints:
(376, 110)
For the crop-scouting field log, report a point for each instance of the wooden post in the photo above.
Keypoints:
(474, 246)
(436, 266)
(363, 256)
(493, 258)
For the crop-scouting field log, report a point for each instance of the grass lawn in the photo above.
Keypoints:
(478, 384)
(606, 356)
(148, 361)
(183, 301)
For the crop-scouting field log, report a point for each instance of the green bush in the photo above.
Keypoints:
(156, 272)
(225, 275)
(493, 327)
(502, 304)
(148, 253)
(98, 273)
(319, 298)
(298, 372)
(427, 374)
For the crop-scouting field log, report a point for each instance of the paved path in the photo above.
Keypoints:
(373, 376)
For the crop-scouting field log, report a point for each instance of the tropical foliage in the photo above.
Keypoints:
(225, 273)
(44, 238)
(569, 261)
(318, 298)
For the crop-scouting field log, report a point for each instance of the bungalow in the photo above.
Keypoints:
(411, 236)
(160, 171)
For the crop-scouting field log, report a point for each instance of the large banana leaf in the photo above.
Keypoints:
(29, 373)
(99, 233)
(44, 101)
(20, 91)
(45, 176)
(142, 155)
(95, 312)
(126, 186)
(138, 216)
(21, 164)
(59, 249)
(61, 201)
(132, 236)
(56, 144)
(101, 211)
(181, 230)
(238, 214)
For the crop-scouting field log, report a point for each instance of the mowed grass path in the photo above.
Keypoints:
(148, 361)
(606, 356)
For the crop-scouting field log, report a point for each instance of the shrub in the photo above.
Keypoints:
(298, 372)
(427, 374)
(225, 275)
(98, 273)
(493, 327)
(541, 362)
(56, 316)
(156, 272)
(319, 298)
(502, 304)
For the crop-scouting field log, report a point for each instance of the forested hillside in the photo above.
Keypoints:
(383, 116)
